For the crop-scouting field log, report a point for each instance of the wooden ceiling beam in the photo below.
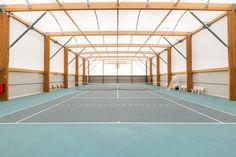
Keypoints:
(119, 45)
(115, 52)
(114, 33)
(121, 6)
(119, 57)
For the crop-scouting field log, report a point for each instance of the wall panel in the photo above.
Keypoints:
(71, 67)
(207, 51)
(163, 66)
(57, 62)
(71, 81)
(164, 81)
(178, 63)
(28, 52)
(23, 84)
(215, 83)
(56, 79)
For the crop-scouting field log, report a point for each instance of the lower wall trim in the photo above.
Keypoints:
(217, 95)
(25, 70)
(211, 70)
(19, 96)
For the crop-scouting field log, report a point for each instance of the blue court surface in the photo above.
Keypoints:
(118, 120)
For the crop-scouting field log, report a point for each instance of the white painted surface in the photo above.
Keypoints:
(71, 67)
(163, 66)
(28, 52)
(178, 62)
(154, 68)
(80, 66)
(207, 51)
(57, 62)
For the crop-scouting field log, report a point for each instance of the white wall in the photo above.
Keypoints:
(163, 66)
(71, 67)
(154, 63)
(178, 61)
(207, 51)
(138, 68)
(28, 52)
(56, 63)
(80, 66)
(96, 68)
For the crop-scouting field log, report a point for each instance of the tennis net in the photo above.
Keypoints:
(117, 86)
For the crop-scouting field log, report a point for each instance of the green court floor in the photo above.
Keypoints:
(25, 140)
(117, 120)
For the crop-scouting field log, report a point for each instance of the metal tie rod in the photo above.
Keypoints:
(75, 57)
(159, 56)
(174, 47)
(60, 48)
(148, 59)
(163, 60)
(140, 66)
(29, 28)
(209, 29)
(71, 61)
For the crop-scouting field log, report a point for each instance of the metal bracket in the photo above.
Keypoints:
(147, 4)
(180, 41)
(88, 4)
(234, 7)
(2, 9)
(174, 47)
(55, 42)
(209, 29)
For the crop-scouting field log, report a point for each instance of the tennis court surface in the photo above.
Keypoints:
(118, 120)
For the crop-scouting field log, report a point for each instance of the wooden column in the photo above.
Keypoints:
(169, 73)
(232, 54)
(158, 71)
(76, 70)
(88, 71)
(46, 86)
(117, 73)
(131, 71)
(84, 70)
(66, 76)
(103, 80)
(146, 72)
(150, 71)
(4, 55)
(189, 74)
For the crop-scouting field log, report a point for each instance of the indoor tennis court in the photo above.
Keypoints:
(118, 103)
(117, 78)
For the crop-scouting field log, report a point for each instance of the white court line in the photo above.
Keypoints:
(202, 105)
(181, 105)
(117, 91)
(35, 105)
(186, 107)
(231, 114)
(50, 107)
(120, 98)
(118, 123)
